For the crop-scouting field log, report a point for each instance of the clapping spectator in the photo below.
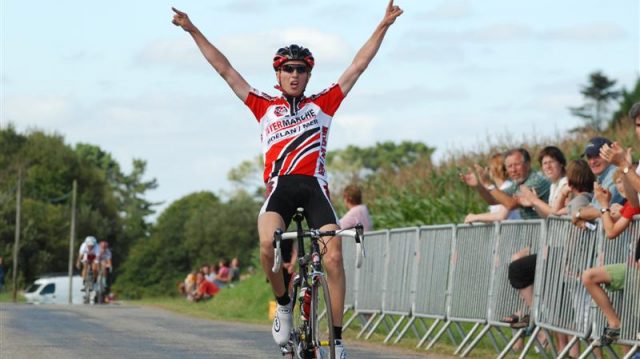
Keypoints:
(553, 164)
(603, 170)
(496, 176)
(613, 275)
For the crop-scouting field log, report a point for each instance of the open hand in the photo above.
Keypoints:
(469, 178)
(616, 154)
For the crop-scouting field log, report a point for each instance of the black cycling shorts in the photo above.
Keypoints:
(522, 271)
(287, 193)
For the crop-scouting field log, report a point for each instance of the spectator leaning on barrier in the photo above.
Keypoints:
(553, 164)
(581, 180)
(613, 275)
(522, 269)
(518, 164)
(496, 175)
(621, 158)
(603, 170)
(357, 211)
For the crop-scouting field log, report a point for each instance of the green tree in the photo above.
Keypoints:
(49, 167)
(194, 230)
(598, 93)
(627, 99)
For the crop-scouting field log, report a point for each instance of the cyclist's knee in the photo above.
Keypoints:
(333, 261)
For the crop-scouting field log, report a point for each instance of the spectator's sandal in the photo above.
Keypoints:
(516, 321)
(609, 335)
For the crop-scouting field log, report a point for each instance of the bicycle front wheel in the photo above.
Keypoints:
(321, 320)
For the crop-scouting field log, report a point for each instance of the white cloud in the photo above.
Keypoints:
(449, 10)
(595, 32)
(246, 51)
(48, 111)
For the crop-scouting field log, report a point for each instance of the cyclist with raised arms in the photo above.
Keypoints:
(294, 136)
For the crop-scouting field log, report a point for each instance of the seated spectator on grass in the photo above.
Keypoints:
(497, 176)
(206, 290)
(206, 270)
(188, 287)
(235, 269)
(223, 278)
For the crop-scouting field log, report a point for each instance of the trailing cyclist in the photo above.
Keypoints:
(103, 261)
(294, 136)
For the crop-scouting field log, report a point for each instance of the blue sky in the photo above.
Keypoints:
(452, 74)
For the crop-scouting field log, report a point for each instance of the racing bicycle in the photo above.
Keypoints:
(311, 336)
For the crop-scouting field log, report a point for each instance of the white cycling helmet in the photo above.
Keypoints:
(90, 241)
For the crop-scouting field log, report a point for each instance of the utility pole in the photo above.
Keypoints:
(72, 237)
(16, 245)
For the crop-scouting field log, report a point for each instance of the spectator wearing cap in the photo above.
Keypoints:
(603, 170)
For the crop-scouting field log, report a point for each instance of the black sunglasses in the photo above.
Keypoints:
(301, 69)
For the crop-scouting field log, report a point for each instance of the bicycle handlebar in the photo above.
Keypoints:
(357, 233)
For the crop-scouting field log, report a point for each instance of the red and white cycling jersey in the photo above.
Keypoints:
(294, 134)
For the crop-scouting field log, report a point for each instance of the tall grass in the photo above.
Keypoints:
(427, 193)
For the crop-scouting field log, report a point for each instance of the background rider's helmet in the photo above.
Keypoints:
(293, 52)
(90, 241)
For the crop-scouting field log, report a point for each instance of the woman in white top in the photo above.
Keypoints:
(553, 163)
(496, 175)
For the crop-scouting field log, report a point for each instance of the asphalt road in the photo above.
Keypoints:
(125, 331)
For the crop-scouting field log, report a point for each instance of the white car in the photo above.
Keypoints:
(54, 290)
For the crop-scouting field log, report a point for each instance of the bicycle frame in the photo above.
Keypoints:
(305, 339)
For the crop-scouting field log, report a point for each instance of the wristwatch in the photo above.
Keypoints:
(625, 170)
(578, 214)
(605, 210)
(491, 187)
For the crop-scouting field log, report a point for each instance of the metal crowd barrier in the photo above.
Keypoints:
(470, 273)
(630, 308)
(350, 273)
(399, 279)
(368, 297)
(404, 275)
(625, 302)
(432, 271)
(513, 237)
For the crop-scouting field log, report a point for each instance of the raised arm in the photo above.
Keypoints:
(219, 62)
(368, 50)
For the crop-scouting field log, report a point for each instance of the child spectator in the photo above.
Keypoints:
(206, 290)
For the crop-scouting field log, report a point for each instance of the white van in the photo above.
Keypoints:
(54, 290)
